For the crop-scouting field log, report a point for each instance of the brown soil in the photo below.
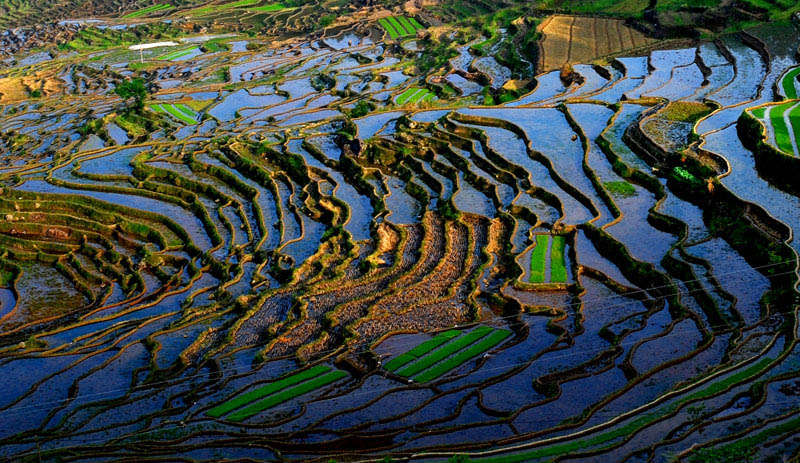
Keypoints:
(581, 39)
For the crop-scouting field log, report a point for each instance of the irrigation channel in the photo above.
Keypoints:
(601, 270)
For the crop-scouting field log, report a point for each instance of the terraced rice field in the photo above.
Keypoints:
(177, 54)
(252, 403)
(548, 261)
(400, 26)
(415, 95)
(444, 353)
(576, 39)
(790, 83)
(284, 256)
(782, 125)
(160, 7)
(178, 111)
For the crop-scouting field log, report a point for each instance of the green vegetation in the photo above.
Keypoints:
(790, 82)
(684, 174)
(686, 111)
(361, 109)
(630, 428)
(326, 20)
(219, 8)
(179, 111)
(445, 352)
(462, 356)
(286, 395)
(149, 10)
(558, 268)
(620, 188)
(415, 95)
(174, 55)
(777, 118)
(132, 89)
(389, 28)
(213, 46)
(539, 257)
(271, 388)
(276, 393)
(632, 8)
(400, 26)
(94, 38)
(269, 8)
(775, 9)
(744, 449)
(760, 113)
(421, 350)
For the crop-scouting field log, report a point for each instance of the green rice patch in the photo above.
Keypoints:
(180, 111)
(759, 113)
(148, 10)
(444, 352)
(794, 121)
(219, 8)
(789, 83)
(269, 8)
(418, 96)
(176, 54)
(558, 266)
(461, 357)
(421, 350)
(269, 389)
(538, 256)
(628, 429)
(286, 395)
(398, 27)
(386, 25)
(407, 25)
(779, 127)
(406, 95)
(620, 188)
(415, 23)
(686, 111)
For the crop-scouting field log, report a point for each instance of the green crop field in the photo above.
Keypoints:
(789, 83)
(149, 10)
(462, 356)
(415, 95)
(759, 113)
(400, 26)
(286, 395)
(794, 121)
(539, 258)
(179, 111)
(421, 350)
(270, 8)
(276, 393)
(558, 268)
(219, 8)
(389, 28)
(780, 127)
(445, 352)
(173, 55)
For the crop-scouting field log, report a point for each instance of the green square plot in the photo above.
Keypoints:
(538, 256)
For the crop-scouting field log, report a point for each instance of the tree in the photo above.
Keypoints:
(361, 109)
(133, 88)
